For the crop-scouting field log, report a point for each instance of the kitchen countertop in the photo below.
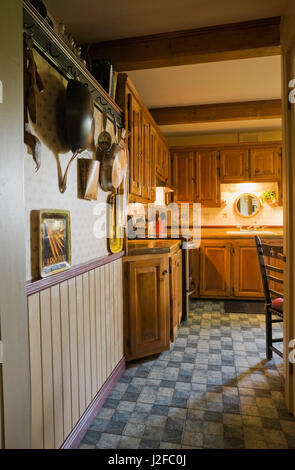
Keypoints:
(146, 246)
(226, 232)
(168, 246)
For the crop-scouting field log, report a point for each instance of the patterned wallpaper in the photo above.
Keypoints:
(41, 188)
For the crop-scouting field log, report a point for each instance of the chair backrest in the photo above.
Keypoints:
(275, 252)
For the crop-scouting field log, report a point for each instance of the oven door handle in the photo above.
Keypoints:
(192, 290)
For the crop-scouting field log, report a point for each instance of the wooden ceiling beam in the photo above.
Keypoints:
(240, 111)
(248, 39)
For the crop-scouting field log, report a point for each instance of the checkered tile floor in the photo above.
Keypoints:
(213, 389)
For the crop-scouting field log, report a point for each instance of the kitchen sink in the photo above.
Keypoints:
(250, 232)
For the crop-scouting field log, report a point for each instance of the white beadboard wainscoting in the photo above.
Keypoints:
(76, 342)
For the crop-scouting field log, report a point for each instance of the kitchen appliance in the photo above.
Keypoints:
(188, 285)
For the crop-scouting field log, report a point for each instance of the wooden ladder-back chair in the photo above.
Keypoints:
(274, 299)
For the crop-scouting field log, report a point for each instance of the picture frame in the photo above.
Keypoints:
(54, 241)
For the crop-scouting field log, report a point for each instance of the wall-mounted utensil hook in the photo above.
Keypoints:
(62, 183)
(53, 49)
(49, 51)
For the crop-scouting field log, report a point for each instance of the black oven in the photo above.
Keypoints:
(188, 285)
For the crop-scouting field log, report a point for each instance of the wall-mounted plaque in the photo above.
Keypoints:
(54, 241)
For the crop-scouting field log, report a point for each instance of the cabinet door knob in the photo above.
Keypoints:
(164, 272)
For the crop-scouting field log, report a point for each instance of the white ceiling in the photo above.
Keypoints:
(220, 127)
(228, 81)
(214, 82)
(97, 20)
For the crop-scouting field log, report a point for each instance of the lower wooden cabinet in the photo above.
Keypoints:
(175, 293)
(247, 277)
(215, 269)
(146, 306)
(229, 269)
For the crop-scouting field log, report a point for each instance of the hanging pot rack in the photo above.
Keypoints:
(60, 56)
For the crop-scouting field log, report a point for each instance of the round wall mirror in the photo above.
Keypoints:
(247, 205)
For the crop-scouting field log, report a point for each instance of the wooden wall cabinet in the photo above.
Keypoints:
(265, 164)
(147, 306)
(175, 292)
(153, 156)
(234, 165)
(214, 165)
(183, 176)
(207, 178)
(196, 177)
(146, 188)
(148, 150)
(165, 162)
(135, 142)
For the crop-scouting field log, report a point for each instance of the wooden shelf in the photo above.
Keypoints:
(61, 57)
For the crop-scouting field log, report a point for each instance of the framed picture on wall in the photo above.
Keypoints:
(54, 241)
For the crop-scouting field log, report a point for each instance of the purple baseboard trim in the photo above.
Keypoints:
(79, 431)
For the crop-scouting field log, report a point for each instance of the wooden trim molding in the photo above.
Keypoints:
(79, 431)
(223, 146)
(219, 112)
(256, 38)
(32, 287)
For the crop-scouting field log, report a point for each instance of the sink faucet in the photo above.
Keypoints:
(243, 228)
(253, 227)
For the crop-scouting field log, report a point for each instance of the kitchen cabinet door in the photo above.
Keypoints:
(234, 165)
(165, 160)
(183, 176)
(159, 157)
(135, 145)
(175, 293)
(215, 269)
(247, 276)
(146, 158)
(147, 307)
(153, 157)
(162, 160)
(265, 164)
(208, 178)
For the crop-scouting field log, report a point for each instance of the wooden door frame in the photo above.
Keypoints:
(13, 312)
(288, 115)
